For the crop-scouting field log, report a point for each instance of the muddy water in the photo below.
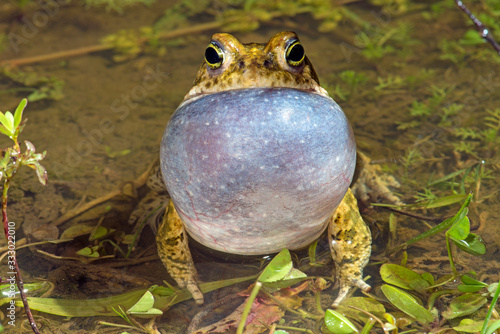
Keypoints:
(110, 107)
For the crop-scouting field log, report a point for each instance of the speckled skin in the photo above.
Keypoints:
(257, 158)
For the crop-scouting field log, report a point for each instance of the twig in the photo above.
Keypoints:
(485, 32)
(139, 182)
(13, 258)
(103, 47)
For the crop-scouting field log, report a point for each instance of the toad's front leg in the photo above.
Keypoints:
(173, 249)
(350, 245)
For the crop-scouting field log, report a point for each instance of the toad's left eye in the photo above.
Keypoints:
(214, 56)
(295, 54)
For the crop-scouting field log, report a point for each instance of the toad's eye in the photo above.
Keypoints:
(295, 54)
(214, 56)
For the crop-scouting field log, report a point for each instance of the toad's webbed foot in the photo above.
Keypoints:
(372, 183)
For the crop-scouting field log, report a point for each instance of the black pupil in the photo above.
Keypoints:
(296, 53)
(212, 56)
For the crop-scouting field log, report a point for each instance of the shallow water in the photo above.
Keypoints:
(401, 112)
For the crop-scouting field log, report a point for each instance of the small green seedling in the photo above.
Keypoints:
(13, 158)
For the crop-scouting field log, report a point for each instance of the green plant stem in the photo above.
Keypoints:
(248, 307)
(436, 295)
(450, 256)
(19, 280)
(490, 310)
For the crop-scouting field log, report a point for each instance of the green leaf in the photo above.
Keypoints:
(18, 114)
(4, 130)
(337, 323)
(431, 204)
(473, 244)
(100, 232)
(443, 225)
(469, 288)
(402, 277)
(41, 173)
(89, 251)
(144, 306)
(278, 268)
(407, 303)
(492, 289)
(493, 327)
(312, 253)
(461, 228)
(465, 304)
(469, 326)
(363, 303)
(10, 122)
(76, 231)
(471, 281)
(428, 277)
(164, 297)
(470, 284)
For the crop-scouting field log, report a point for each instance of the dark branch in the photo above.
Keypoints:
(483, 30)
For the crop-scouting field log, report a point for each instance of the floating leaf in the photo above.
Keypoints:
(278, 268)
(101, 232)
(89, 251)
(469, 326)
(471, 281)
(407, 303)
(473, 244)
(363, 303)
(403, 277)
(470, 284)
(337, 323)
(428, 277)
(76, 231)
(461, 228)
(469, 288)
(144, 306)
(465, 304)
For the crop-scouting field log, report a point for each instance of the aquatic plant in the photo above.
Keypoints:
(37, 86)
(13, 158)
(116, 5)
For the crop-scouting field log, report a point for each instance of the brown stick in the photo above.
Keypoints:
(137, 183)
(485, 32)
(104, 47)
